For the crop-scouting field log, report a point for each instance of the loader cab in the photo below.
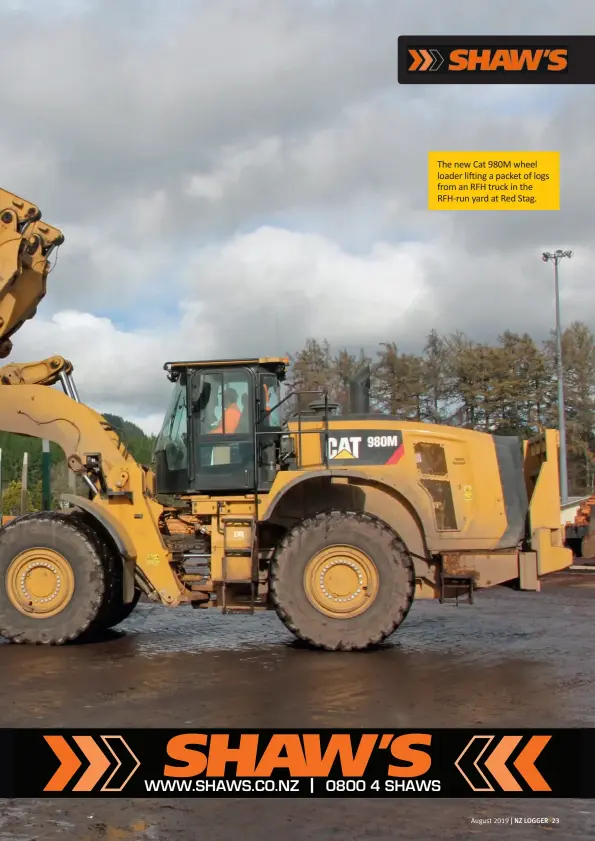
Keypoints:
(221, 430)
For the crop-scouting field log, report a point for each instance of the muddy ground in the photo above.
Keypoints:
(519, 659)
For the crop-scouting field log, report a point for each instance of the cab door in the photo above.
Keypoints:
(222, 423)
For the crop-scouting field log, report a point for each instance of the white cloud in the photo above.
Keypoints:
(255, 284)
(234, 163)
(111, 365)
(233, 176)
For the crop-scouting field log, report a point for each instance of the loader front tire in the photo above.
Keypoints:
(342, 581)
(52, 579)
(120, 612)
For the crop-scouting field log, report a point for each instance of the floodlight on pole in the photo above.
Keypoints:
(555, 257)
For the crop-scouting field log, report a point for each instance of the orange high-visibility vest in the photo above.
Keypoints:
(232, 419)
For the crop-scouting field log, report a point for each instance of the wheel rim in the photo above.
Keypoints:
(341, 581)
(40, 583)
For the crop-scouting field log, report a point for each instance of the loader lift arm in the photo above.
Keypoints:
(121, 491)
(48, 371)
(121, 504)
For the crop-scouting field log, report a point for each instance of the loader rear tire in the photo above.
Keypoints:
(342, 581)
(52, 579)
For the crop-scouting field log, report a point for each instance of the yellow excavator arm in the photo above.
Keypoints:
(26, 243)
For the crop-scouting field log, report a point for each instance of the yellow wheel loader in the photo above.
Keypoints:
(256, 500)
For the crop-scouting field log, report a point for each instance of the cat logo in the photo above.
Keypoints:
(341, 448)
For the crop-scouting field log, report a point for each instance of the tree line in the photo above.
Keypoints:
(506, 388)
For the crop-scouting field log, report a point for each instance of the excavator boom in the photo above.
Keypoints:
(26, 243)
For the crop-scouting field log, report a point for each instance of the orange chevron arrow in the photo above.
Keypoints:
(496, 763)
(428, 59)
(417, 60)
(488, 740)
(69, 763)
(119, 765)
(98, 763)
(525, 763)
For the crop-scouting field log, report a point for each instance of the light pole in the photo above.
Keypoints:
(555, 258)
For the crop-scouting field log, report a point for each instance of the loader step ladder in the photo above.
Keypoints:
(242, 552)
(458, 583)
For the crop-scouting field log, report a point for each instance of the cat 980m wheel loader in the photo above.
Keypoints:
(336, 521)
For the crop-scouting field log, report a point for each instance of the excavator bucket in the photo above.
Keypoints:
(26, 243)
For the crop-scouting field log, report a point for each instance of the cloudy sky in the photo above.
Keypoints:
(234, 176)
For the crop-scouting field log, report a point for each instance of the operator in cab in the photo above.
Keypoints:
(231, 415)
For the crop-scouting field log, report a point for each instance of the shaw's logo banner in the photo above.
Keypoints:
(497, 60)
(297, 763)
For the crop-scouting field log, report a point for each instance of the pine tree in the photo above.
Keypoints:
(398, 382)
(310, 371)
(436, 395)
(344, 367)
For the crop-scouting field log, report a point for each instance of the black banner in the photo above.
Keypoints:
(297, 763)
(496, 60)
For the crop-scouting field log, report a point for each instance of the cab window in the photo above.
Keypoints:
(224, 403)
(172, 439)
(270, 400)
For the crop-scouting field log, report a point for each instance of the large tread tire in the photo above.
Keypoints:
(395, 571)
(107, 615)
(120, 611)
(113, 611)
(72, 537)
